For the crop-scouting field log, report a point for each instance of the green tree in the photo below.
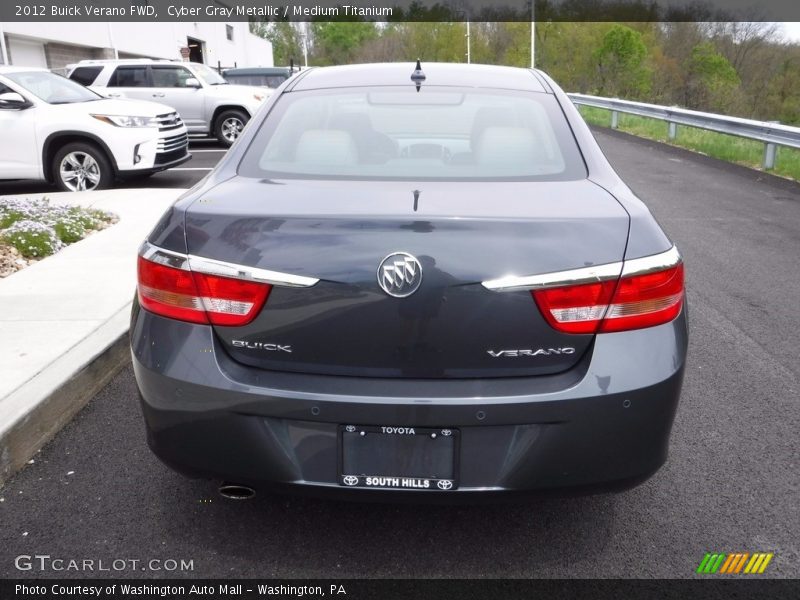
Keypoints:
(285, 39)
(338, 42)
(621, 64)
(711, 79)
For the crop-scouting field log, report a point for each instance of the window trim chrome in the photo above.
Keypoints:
(210, 266)
(584, 275)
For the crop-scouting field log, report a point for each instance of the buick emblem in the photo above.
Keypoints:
(350, 480)
(400, 274)
(350, 428)
(444, 484)
(446, 432)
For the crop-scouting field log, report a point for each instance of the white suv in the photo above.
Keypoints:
(208, 104)
(56, 130)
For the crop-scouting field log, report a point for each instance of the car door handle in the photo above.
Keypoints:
(158, 95)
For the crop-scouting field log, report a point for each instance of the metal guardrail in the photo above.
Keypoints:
(772, 134)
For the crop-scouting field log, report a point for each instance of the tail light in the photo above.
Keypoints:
(633, 302)
(645, 300)
(649, 292)
(168, 288)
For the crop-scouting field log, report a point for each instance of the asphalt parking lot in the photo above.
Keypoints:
(731, 483)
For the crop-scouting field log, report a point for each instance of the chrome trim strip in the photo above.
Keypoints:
(209, 266)
(512, 283)
(168, 258)
(225, 269)
(650, 264)
(593, 274)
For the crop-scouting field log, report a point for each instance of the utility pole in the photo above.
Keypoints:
(305, 44)
(469, 50)
(533, 36)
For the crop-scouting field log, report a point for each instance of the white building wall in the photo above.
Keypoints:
(150, 40)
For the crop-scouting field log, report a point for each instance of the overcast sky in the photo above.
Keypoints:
(792, 31)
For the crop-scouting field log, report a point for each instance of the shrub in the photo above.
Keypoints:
(37, 228)
(32, 239)
(69, 230)
(17, 209)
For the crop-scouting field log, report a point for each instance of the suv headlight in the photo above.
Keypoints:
(126, 121)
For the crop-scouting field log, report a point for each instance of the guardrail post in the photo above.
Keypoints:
(770, 150)
(614, 119)
(672, 130)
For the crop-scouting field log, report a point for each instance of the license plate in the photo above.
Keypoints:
(408, 458)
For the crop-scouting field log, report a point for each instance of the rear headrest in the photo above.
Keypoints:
(490, 116)
(351, 121)
(327, 147)
(507, 146)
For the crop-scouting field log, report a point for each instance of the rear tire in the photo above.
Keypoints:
(229, 125)
(81, 167)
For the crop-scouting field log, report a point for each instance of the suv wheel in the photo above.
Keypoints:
(80, 167)
(229, 126)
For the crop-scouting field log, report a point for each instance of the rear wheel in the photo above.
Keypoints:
(81, 167)
(229, 126)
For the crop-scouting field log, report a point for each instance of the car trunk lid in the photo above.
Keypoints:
(461, 234)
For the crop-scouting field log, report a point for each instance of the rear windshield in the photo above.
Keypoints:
(271, 81)
(85, 75)
(401, 134)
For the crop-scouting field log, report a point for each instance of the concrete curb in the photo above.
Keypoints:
(64, 389)
(64, 327)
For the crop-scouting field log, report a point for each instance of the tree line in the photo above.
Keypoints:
(737, 68)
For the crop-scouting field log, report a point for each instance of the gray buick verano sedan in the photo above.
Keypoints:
(411, 281)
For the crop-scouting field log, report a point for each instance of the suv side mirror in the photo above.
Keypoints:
(13, 101)
(192, 82)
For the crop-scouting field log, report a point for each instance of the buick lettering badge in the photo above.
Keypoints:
(400, 274)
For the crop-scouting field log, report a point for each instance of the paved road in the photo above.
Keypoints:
(731, 483)
(205, 155)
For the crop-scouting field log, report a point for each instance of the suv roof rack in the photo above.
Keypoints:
(107, 61)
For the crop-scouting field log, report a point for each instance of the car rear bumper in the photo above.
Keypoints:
(604, 425)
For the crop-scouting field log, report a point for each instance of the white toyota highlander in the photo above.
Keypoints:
(56, 130)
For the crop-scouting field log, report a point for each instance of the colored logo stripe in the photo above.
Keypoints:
(735, 562)
(758, 563)
(710, 563)
(719, 562)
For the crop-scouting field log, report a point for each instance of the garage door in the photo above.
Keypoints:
(26, 53)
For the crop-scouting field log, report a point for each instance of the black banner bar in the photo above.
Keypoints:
(753, 587)
(398, 10)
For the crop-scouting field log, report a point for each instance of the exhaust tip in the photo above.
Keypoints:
(236, 491)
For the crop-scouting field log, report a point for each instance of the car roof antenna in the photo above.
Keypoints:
(418, 76)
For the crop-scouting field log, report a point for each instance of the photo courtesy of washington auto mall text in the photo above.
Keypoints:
(414, 299)
(179, 590)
